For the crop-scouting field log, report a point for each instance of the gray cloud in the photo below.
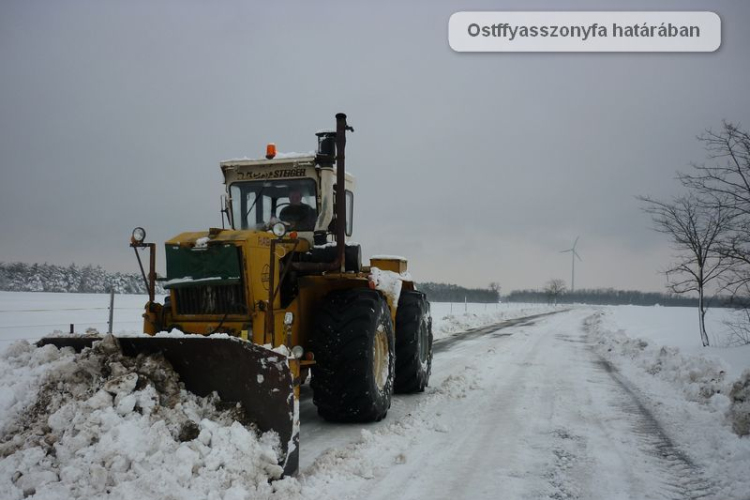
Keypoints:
(478, 167)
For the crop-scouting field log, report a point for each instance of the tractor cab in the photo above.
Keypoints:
(297, 190)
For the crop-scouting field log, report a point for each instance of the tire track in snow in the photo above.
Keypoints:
(447, 342)
(318, 435)
(683, 479)
(547, 419)
(613, 447)
(467, 430)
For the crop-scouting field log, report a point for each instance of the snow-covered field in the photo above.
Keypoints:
(677, 327)
(30, 316)
(591, 402)
(448, 319)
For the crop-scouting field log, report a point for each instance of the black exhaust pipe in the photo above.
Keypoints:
(341, 128)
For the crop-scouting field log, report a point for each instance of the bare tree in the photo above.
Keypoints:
(554, 288)
(495, 288)
(726, 177)
(695, 229)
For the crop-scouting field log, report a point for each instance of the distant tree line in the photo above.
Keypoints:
(610, 296)
(21, 277)
(448, 292)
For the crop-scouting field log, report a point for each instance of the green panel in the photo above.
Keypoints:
(212, 265)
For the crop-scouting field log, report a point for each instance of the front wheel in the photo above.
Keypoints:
(353, 342)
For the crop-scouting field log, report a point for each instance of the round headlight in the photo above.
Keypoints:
(297, 352)
(139, 234)
(279, 229)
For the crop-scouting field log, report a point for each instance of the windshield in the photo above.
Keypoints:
(257, 204)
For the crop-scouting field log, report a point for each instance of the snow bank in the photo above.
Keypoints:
(101, 424)
(678, 327)
(703, 377)
(693, 393)
(445, 323)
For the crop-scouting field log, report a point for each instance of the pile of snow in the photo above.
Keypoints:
(388, 282)
(739, 399)
(99, 423)
(691, 394)
(700, 378)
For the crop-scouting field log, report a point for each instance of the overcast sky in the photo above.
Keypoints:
(476, 167)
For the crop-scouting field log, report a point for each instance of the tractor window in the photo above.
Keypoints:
(349, 203)
(349, 212)
(255, 204)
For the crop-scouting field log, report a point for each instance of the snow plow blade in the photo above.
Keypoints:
(239, 371)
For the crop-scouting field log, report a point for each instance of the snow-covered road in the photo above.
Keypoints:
(524, 411)
(548, 404)
(318, 435)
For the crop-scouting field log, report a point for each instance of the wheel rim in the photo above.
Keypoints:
(380, 358)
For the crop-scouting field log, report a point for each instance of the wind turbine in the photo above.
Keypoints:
(573, 255)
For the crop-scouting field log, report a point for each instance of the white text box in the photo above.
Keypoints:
(584, 31)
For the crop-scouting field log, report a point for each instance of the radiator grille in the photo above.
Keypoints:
(211, 299)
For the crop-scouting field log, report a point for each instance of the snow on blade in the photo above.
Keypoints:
(100, 424)
(195, 281)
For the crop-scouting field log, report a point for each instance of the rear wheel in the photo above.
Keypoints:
(413, 342)
(353, 342)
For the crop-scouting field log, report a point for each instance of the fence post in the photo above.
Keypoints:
(466, 305)
(72, 328)
(111, 308)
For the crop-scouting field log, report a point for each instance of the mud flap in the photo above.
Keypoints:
(239, 371)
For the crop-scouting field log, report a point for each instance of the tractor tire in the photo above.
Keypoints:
(413, 342)
(353, 343)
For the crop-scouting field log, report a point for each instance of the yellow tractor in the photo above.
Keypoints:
(282, 294)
